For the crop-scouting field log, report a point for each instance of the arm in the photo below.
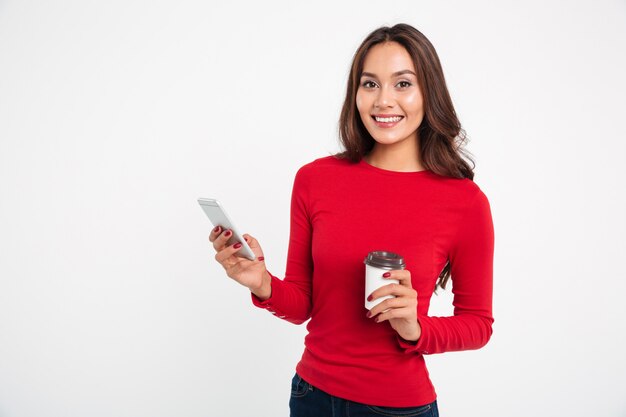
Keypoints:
(290, 299)
(471, 263)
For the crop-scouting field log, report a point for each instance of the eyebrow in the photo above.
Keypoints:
(395, 74)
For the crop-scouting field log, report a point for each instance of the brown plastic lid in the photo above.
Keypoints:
(384, 259)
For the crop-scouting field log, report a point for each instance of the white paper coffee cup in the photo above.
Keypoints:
(376, 264)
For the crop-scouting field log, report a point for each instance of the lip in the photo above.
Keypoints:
(389, 124)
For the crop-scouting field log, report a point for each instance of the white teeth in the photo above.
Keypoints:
(388, 119)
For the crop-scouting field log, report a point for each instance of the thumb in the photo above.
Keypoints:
(254, 245)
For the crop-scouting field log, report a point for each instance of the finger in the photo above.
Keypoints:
(215, 233)
(393, 313)
(386, 305)
(382, 317)
(254, 245)
(402, 275)
(389, 289)
(398, 290)
(220, 242)
(251, 241)
(223, 255)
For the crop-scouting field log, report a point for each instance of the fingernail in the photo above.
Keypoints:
(387, 274)
(216, 229)
(227, 233)
(261, 258)
(369, 314)
(237, 245)
(245, 238)
(369, 298)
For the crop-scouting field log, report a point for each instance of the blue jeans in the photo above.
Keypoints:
(309, 401)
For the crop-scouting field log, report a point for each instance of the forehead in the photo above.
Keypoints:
(386, 58)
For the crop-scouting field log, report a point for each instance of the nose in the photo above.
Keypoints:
(384, 98)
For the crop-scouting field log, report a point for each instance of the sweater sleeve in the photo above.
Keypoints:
(290, 298)
(471, 263)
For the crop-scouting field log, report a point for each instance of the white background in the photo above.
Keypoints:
(116, 116)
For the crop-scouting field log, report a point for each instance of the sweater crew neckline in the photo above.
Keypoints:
(366, 165)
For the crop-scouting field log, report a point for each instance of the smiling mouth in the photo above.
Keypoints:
(392, 119)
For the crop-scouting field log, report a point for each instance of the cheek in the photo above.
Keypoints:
(361, 106)
(413, 103)
(359, 101)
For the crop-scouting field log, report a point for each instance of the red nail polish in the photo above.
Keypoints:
(369, 314)
(386, 274)
(369, 298)
(261, 258)
(237, 245)
(216, 229)
(227, 233)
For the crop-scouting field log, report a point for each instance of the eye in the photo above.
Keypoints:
(366, 83)
(405, 82)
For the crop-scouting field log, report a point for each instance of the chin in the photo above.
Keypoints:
(387, 140)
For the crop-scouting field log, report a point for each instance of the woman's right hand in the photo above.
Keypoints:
(251, 274)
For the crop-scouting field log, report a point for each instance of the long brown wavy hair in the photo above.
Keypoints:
(440, 134)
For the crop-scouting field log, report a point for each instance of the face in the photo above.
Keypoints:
(384, 91)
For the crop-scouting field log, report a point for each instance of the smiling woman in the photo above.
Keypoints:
(402, 152)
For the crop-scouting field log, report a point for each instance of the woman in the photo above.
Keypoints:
(399, 186)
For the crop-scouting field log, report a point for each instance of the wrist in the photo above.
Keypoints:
(414, 337)
(264, 291)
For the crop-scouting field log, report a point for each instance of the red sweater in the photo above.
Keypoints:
(340, 211)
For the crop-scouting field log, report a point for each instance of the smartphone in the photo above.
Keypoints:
(216, 213)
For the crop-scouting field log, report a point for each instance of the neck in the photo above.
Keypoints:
(402, 156)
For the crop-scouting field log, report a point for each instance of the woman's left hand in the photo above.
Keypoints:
(401, 311)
